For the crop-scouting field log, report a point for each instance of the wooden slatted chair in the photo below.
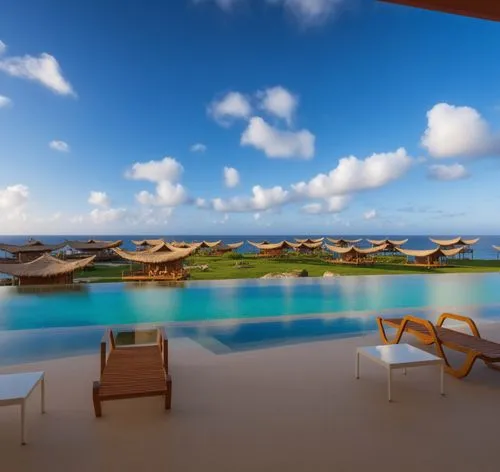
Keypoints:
(472, 344)
(133, 372)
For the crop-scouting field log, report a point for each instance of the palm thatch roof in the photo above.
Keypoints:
(309, 240)
(185, 245)
(44, 266)
(31, 246)
(273, 246)
(354, 249)
(147, 242)
(344, 241)
(454, 242)
(209, 244)
(391, 242)
(307, 245)
(436, 252)
(155, 255)
(93, 245)
(235, 245)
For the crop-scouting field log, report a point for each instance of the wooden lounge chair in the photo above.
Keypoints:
(133, 372)
(472, 344)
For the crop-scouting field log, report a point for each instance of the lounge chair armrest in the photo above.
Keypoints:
(464, 319)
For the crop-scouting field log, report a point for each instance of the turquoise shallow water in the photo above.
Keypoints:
(112, 304)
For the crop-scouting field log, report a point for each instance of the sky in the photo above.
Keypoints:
(247, 117)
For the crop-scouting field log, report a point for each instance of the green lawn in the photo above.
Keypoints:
(250, 266)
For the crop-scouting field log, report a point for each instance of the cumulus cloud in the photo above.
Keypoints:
(261, 199)
(335, 204)
(201, 203)
(231, 177)
(43, 69)
(458, 132)
(447, 172)
(60, 146)
(100, 199)
(167, 194)
(13, 200)
(198, 147)
(156, 171)
(107, 215)
(5, 101)
(370, 215)
(276, 143)
(279, 101)
(233, 105)
(354, 175)
(3, 47)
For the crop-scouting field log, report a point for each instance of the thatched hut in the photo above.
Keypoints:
(225, 248)
(31, 250)
(341, 242)
(45, 270)
(355, 255)
(162, 262)
(436, 257)
(391, 244)
(142, 244)
(92, 247)
(309, 240)
(465, 244)
(308, 247)
(274, 249)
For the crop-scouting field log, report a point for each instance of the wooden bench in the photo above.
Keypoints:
(133, 372)
(472, 344)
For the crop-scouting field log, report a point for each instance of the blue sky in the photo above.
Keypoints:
(330, 116)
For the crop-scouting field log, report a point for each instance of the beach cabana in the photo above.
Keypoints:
(31, 250)
(45, 270)
(309, 240)
(308, 248)
(485, 9)
(162, 262)
(225, 248)
(355, 255)
(273, 249)
(391, 244)
(431, 257)
(92, 247)
(465, 244)
(344, 242)
(142, 244)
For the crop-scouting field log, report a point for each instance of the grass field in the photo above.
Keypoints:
(250, 266)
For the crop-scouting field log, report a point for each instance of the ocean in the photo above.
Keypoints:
(482, 250)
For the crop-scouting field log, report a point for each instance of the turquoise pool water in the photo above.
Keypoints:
(113, 304)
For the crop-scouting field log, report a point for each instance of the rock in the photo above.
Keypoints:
(286, 275)
(330, 274)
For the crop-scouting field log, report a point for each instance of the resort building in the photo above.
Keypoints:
(225, 248)
(308, 247)
(391, 244)
(309, 240)
(355, 255)
(45, 270)
(31, 250)
(465, 244)
(436, 257)
(100, 249)
(162, 262)
(345, 242)
(273, 249)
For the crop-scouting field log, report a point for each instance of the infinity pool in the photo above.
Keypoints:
(232, 315)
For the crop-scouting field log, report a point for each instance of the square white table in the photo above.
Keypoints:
(15, 390)
(399, 356)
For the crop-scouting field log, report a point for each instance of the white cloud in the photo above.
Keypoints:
(354, 175)
(43, 69)
(156, 171)
(232, 105)
(102, 216)
(261, 199)
(279, 102)
(335, 204)
(60, 146)
(167, 194)
(447, 172)
(276, 143)
(5, 101)
(370, 215)
(310, 12)
(231, 177)
(201, 203)
(100, 199)
(3, 47)
(13, 200)
(77, 219)
(198, 147)
(458, 132)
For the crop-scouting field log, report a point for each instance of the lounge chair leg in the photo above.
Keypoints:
(168, 395)
(96, 399)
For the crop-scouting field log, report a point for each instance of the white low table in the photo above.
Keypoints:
(399, 356)
(15, 390)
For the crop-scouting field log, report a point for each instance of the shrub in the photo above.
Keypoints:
(235, 256)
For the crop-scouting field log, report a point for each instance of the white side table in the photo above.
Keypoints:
(15, 390)
(399, 356)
